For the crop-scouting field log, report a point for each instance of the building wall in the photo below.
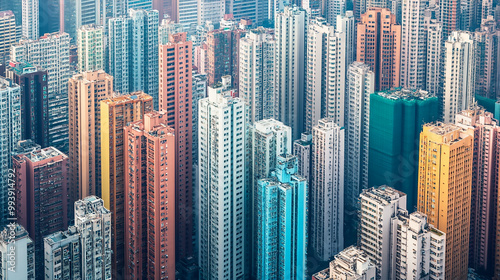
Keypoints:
(447, 208)
(90, 42)
(8, 30)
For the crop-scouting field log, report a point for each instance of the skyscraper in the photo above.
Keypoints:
(133, 53)
(93, 223)
(346, 25)
(8, 31)
(166, 9)
(43, 204)
(327, 190)
(150, 186)
(351, 263)
(34, 101)
(222, 196)
(210, 11)
(289, 71)
(485, 179)
(223, 55)
(434, 31)
(167, 28)
(116, 113)
(378, 207)
(444, 193)
(379, 45)
(413, 44)
(449, 16)
(360, 85)
(281, 233)
(51, 53)
(15, 239)
(62, 258)
(77, 13)
(90, 41)
(10, 133)
(325, 76)
(333, 10)
(175, 98)
(487, 77)
(256, 85)
(396, 120)
(459, 78)
(188, 13)
(302, 150)
(139, 4)
(199, 92)
(31, 24)
(86, 91)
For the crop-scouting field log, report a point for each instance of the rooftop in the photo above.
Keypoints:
(405, 94)
(43, 154)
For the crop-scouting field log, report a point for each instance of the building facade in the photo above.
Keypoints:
(256, 85)
(487, 77)
(396, 120)
(223, 198)
(34, 101)
(86, 91)
(381, 52)
(327, 189)
(14, 240)
(176, 94)
(281, 233)
(116, 113)
(325, 76)
(351, 263)
(459, 74)
(8, 31)
(63, 258)
(150, 187)
(43, 204)
(90, 42)
(451, 148)
(289, 68)
(360, 85)
(51, 53)
(31, 21)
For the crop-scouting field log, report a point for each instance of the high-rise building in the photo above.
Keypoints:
(175, 98)
(314, 8)
(93, 223)
(256, 85)
(289, 68)
(384, 4)
(377, 208)
(51, 53)
(281, 226)
(139, 4)
(459, 74)
(346, 26)
(302, 149)
(223, 197)
(34, 101)
(78, 13)
(413, 44)
(351, 263)
(485, 179)
(8, 31)
(223, 55)
(188, 13)
(150, 187)
(360, 85)
(63, 257)
(31, 24)
(199, 92)
(16, 7)
(434, 31)
(15, 242)
(116, 113)
(449, 17)
(487, 65)
(327, 189)
(90, 41)
(444, 193)
(10, 133)
(166, 9)
(396, 120)
(325, 75)
(133, 53)
(50, 15)
(379, 45)
(167, 28)
(334, 9)
(86, 91)
(210, 11)
(417, 248)
(42, 200)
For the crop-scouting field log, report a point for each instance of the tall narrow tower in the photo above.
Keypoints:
(444, 189)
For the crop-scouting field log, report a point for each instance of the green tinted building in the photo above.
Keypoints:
(396, 119)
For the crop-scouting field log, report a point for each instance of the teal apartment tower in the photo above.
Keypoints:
(396, 120)
(282, 223)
